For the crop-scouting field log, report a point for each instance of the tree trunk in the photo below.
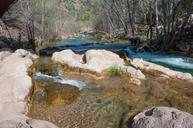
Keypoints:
(157, 20)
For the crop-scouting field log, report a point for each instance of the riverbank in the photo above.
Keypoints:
(15, 87)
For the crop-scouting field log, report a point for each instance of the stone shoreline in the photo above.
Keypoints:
(16, 84)
(97, 61)
(144, 65)
(14, 88)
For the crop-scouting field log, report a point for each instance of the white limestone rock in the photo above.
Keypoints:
(135, 72)
(15, 86)
(68, 57)
(142, 64)
(96, 61)
(99, 60)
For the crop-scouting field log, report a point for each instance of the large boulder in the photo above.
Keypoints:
(24, 53)
(69, 57)
(99, 60)
(163, 117)
(142, 64)
(93, 60)
(96, 61)
(14, 88)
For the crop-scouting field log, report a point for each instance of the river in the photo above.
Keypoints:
(70, 98)
(83, 43)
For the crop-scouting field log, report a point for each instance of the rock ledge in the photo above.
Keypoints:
(15, 86)
(142, 64)
(96, 61)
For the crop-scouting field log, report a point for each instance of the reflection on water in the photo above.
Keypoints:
(78, 40)
(104, 103)
(82, 44)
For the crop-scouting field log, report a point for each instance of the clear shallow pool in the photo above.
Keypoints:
(103, 103)
(72, 99)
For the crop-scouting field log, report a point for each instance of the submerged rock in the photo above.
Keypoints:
(135, 81)
(96, 61)
(14, 88)
(163, 117)
(142, 64)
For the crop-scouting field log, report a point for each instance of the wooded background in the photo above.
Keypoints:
(163, 20)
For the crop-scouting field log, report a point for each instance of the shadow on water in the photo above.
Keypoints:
(81, 45)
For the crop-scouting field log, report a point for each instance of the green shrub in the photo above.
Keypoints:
(116, 70)
(86, 15)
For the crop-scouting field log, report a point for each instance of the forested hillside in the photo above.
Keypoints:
(46, 19)
(162, 22)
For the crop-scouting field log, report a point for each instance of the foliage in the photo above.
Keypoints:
(71, 9)
(152, 19)
(116, 70)
(86, 15)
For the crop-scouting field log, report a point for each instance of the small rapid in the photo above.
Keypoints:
(175, 62)
(46, 70)
(58, 79)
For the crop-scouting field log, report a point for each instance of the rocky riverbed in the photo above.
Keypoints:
(107, 99)
(72, 97)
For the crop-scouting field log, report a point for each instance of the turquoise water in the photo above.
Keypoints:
(175, 62)
(82, 43)
(77, 40)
